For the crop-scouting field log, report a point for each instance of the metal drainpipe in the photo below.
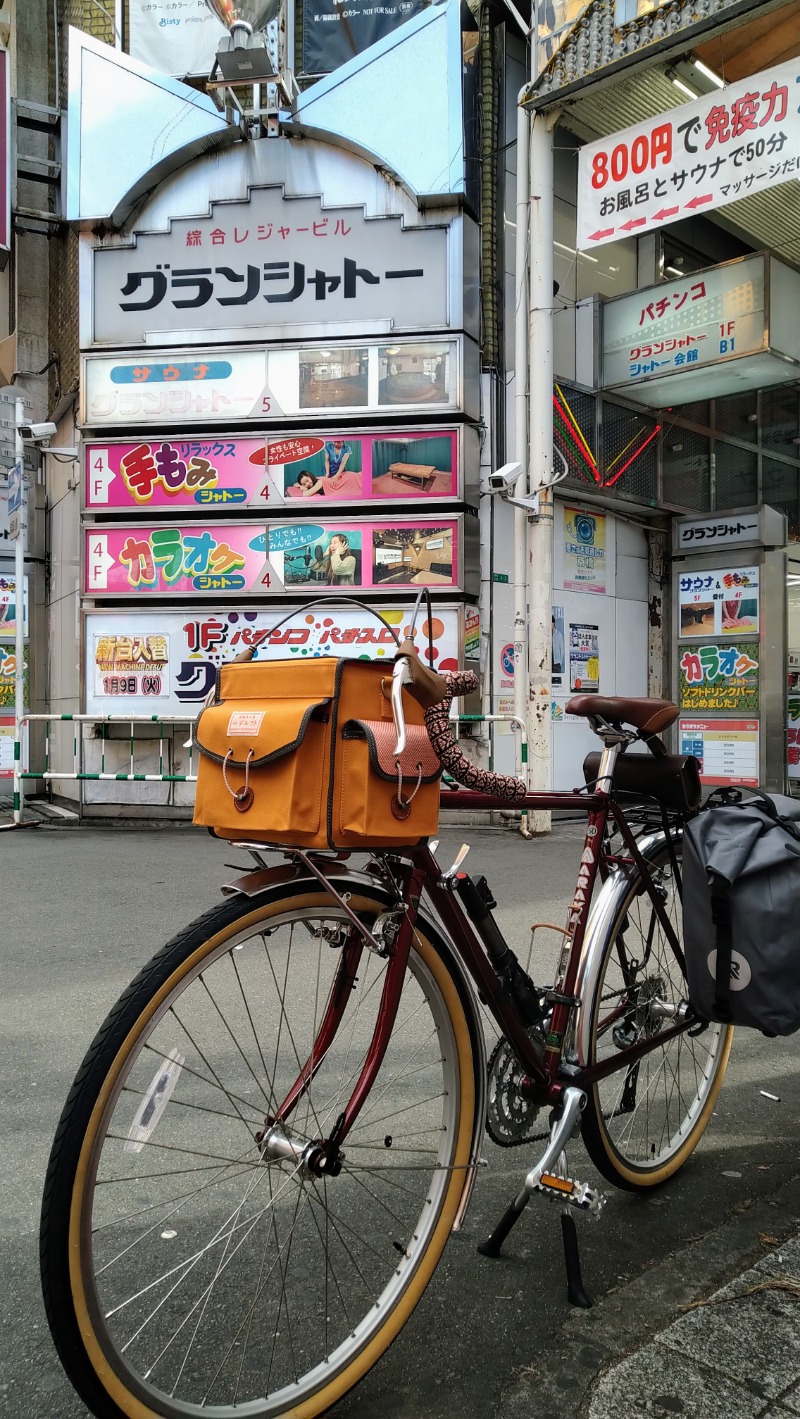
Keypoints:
(521, 434)
(540, 540)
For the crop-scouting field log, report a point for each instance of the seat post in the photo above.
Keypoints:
(613, 737)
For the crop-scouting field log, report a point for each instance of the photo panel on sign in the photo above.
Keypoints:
(203, 385)
(236, 559)
(165, 662)
(721, 601)
(224, 471)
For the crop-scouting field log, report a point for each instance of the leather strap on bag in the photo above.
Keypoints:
(721, 917)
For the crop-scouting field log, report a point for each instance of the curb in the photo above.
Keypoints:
(625, 1320)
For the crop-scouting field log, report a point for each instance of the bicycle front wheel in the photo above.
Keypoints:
(186, 1270)
(641, 1123)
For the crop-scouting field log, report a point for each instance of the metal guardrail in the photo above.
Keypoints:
(79, 773)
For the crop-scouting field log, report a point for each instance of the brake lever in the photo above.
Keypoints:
(401, 675)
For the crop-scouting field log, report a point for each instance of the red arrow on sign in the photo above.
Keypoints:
(665, 212)
(598, 236)
(634, 222)
(699, 201)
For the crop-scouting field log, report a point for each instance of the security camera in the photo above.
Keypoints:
(505, 478)
(37, 433)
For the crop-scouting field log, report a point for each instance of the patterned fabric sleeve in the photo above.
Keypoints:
(456, 763)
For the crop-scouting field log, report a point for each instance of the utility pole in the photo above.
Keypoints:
(521, 318)
(540, 541)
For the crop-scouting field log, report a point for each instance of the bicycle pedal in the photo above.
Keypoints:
(570, 1192)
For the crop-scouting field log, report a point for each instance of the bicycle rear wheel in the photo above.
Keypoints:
(184, 1273)
(641, 1123)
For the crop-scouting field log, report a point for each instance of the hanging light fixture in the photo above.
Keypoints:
(243, 58)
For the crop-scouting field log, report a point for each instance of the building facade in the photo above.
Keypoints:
(285, 351)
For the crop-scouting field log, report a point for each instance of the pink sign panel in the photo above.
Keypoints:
(186, 474)
(248, 559)
(307, 469)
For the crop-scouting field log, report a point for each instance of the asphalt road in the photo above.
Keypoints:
(83, 909)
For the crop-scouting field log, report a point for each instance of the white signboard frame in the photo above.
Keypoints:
(697, 158)
(204, 385)
(706, 318)
(271, 264)
(180, 670)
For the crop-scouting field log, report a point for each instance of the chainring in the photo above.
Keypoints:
(510, 1117)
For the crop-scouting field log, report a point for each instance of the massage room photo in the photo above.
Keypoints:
(351, 467)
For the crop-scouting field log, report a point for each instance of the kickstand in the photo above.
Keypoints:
(491, 1247)
(576, 1294)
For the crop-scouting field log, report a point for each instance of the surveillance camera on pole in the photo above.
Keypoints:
(37, 433)
(504, 479)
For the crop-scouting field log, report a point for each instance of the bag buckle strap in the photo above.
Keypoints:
(405, 803)
(242, 797)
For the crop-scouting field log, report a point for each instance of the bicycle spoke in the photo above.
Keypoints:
(227, 1273)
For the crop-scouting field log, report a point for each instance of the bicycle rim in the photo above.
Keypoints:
(641, 1123)
(208, 1280)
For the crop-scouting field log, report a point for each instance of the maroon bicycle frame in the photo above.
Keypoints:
(422, 874)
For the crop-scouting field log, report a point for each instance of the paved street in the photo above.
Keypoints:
(84, 908)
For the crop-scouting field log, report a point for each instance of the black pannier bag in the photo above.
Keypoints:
(741, 911)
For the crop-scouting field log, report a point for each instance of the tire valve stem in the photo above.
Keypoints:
(398, 1246)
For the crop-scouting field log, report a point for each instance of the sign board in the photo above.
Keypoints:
(7, 725)
(719, 677)
(252, 559)
(706, 318)
(8, 607)
(332, 35)
(15, 488)
(159, 662)
(207, 385)
(8, 672)
(697, 158)
(719, 531)
(723, 602)
(726, 748)
(269, 262)
(584, 550)
(300, 470)
(174, 39)
(5, 158)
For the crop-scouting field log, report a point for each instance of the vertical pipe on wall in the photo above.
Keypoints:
(521, 429)
(19, 603)
(540, 541)
(486, 525)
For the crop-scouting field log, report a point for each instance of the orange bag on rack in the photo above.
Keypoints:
(300, 754)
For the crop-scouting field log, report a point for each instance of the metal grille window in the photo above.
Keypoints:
(629, 452)
(735, 476)
(737, 417)
(686, 469)
(780, 487)
(780, 421)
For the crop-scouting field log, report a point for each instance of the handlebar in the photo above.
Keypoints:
(440, 733)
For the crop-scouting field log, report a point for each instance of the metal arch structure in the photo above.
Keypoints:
(110, 95)
(417, 70)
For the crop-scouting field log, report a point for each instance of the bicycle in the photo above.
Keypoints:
(280, 1122)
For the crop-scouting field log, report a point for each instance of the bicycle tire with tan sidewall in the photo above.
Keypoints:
(642, 1124)
(100, 1375)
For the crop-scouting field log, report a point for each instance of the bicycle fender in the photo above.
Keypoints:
(604, 910)
(295, 874)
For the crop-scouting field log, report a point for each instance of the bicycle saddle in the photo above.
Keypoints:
(651, 716)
